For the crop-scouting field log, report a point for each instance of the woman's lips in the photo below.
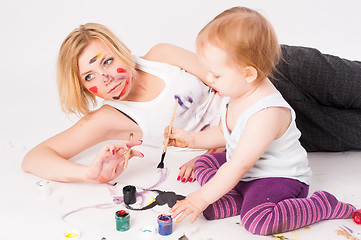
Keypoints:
(120, 79)
(123, 90)
(114, 88)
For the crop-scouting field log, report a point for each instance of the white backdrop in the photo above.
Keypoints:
(32, 32)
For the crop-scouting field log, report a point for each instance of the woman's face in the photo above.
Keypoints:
(102, 73)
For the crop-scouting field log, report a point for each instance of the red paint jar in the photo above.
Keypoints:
(356, 216)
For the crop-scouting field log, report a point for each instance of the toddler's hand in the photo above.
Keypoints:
(109, 161)
(193, 204)
(177, 137)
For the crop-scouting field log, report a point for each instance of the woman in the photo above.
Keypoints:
(139, 97)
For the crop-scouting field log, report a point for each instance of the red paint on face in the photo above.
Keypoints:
(123, 91)
(94, 89)
(121, 70)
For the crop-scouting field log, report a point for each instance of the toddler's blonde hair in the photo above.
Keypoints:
(246, 36)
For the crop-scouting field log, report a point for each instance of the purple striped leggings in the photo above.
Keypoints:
(269, 205)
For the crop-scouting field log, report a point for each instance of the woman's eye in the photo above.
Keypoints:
(108, 61)
(89, 77)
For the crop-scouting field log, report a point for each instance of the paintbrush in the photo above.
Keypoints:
(127, 153)
(161, 164)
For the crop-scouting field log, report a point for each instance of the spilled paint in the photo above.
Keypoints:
(117, 199)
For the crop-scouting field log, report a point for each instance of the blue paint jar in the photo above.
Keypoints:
(165, 225)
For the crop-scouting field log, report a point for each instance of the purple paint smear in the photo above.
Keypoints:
(163, 176)
(119, 199)
(182, 103)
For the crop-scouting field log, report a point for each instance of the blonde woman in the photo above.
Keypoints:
(139, 95)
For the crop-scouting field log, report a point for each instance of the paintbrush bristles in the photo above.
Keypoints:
(127, 153)
(161, 164)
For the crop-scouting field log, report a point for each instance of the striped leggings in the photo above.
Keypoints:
(270, 205)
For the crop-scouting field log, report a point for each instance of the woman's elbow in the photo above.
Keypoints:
(25, 165)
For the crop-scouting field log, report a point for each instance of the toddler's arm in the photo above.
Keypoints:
(207, 139)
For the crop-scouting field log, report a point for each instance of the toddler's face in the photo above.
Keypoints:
(225, 76)
(102, 73)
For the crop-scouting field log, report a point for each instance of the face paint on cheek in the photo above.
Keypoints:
(94, 89)
(121, 70)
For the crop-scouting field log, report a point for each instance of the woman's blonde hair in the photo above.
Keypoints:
(246, 36)
(74, 98)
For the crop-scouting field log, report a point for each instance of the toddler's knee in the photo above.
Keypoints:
(203, 161)
(256, 231)
(258, 228)
(208, 213)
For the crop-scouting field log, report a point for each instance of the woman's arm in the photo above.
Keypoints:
(177, 56)
(49, 159)
(186, 173)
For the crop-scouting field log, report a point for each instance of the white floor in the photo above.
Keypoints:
(31, 34)
(27, 214)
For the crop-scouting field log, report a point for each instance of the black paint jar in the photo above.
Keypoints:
(129, 194)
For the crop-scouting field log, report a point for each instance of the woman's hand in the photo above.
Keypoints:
(109, 161)
(178, 137)
(193, 204)
(186, 173)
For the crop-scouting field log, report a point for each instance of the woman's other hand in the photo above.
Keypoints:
(109, 161)
(186, 173)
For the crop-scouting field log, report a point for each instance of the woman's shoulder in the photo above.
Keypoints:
(160, 52)
(169, 53)
(176, 56)
(107, 117)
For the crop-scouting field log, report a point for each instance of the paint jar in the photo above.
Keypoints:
(44, 188)
(356, 216)
(122, 220)
(129, 194)
(165, 225)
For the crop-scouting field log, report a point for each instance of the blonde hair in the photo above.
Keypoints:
(74, 98)
(246, 36)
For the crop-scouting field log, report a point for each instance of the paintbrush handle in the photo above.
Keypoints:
(127, 153)
(170, 126)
